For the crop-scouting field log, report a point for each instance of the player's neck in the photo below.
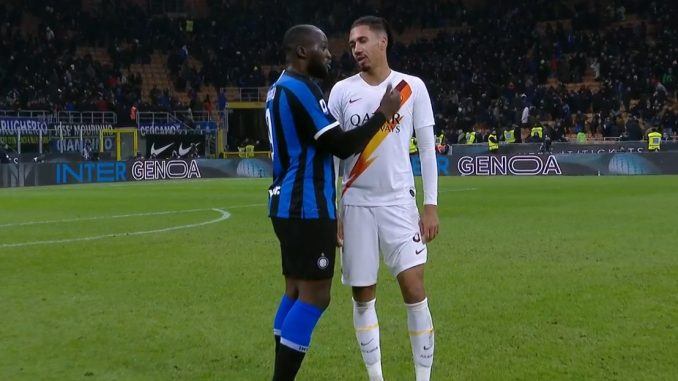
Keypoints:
(376, 76)
(296, 70)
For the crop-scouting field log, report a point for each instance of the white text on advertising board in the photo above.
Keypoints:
(166, 169)
(519, 165)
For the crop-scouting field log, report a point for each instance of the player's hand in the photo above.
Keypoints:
(428, 223)
(340, 233)
(390, 102)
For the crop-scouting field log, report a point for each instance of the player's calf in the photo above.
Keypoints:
(366, 327)
(295, 339)
(419, 322)
(284, 308)
(420, 326)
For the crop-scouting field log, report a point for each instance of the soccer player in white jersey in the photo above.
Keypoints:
(379, 211)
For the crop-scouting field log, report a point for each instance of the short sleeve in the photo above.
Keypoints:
(336, 102)
(312, 107)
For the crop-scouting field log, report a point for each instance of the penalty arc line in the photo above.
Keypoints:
(102, 217)
(224, 216)
(28, 223)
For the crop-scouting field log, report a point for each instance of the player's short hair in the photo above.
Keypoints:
(376, 23)
(297, 35)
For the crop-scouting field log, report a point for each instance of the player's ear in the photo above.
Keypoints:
(383, 42)
(301, 51)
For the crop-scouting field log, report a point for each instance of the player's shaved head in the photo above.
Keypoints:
(306, 50)
(302, 35)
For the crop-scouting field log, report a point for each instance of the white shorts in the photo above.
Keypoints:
(369, 230)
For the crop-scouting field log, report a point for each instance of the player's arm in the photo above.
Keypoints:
(343, 144)
(429, 174)
(423, 123)
(429, 166)
(346, 143)
(325, 130)
(340, 217)
(336, 105)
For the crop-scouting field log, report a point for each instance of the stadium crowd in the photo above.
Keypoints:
(484, 68)
(43, 71)
(488, 74)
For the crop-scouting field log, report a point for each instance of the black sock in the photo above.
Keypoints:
(287, 363)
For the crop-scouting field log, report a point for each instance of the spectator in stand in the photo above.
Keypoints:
(207, 105)
(633, 130)
(497, 50)
(525, 116)
(222, 103)
(87, 152)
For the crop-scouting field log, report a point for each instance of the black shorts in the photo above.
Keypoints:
(307, 247)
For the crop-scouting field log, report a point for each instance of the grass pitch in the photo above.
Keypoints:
(530, 278)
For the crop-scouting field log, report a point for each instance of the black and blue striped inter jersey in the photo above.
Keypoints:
(303, 176)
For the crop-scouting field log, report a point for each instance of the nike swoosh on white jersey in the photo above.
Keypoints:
(160, 150)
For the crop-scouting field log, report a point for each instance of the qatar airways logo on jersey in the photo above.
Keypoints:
(392, 125)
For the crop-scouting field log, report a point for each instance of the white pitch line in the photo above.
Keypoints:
(224, 215)
(120, 216)
(457, 190)
(245, 206)
(103, 217)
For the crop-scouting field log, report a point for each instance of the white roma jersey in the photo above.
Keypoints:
(382, 174)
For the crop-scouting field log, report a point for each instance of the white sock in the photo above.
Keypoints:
(367, 332)
(420, 326)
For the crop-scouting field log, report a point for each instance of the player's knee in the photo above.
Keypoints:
(413, 293)
(319, 297)
(291, 289)
(364, 294)
(322, 300)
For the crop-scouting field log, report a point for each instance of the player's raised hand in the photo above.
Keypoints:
(390, 102)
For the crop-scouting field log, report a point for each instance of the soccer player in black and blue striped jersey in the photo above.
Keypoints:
(304, 137)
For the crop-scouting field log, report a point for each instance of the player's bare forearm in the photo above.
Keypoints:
(340, 232)
(429, 222)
